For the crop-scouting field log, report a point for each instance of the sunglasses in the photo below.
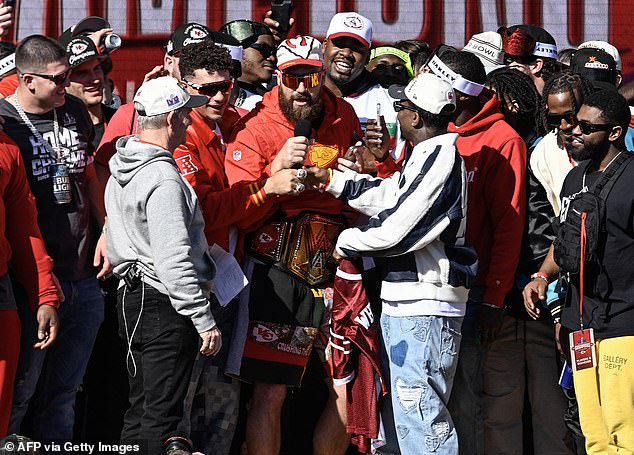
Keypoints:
(554, 120)
(57, 79)
(508, 59)
(398, 107)
(589, 128)
(264, 49)
(293, 81)
(212, 88)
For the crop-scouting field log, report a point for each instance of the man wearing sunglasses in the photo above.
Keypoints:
(421, 317)
(495, 158)
(549, 164)
(258, 60)
(123, 122)
(205, 69)
(599, 295)
(563, 95)
(54, 133)
(290, 298)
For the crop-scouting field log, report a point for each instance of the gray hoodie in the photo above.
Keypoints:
(154, 219)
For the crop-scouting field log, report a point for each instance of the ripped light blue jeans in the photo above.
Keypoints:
(420, 355)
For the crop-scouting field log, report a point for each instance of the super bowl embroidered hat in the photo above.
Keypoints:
(81, 49)
(162, 95)
(428, 92)
(488, 48)
(301, 50)
(353, 25)
(185, 35)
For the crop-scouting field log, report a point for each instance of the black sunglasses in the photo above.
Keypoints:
(589, 128)
(398, 107)
(264, 49)
(522, 60)
(57, 79)
(554, 120)
(212, 88)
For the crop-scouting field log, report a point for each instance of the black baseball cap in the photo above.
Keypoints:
(545, 44)
(595, 65)
(85, 26)
(80, 50)
(185, 35)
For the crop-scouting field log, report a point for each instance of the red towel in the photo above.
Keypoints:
(356, 356)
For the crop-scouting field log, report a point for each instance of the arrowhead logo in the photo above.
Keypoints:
(322, 155)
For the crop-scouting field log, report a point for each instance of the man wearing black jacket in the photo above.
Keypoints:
(599, 296)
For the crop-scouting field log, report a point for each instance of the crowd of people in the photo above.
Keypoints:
(439, 237)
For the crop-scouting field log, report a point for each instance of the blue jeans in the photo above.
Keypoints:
(420, 357)
(80, 316)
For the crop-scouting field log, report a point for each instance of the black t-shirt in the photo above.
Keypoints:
(608, 307)
(67, 229)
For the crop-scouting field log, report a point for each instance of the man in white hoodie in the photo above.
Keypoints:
(157, 245)
(417, 229)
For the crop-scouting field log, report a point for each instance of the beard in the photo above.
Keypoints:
(585, 152)
(309, 112)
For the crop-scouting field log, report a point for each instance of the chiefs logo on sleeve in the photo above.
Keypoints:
(186, 165)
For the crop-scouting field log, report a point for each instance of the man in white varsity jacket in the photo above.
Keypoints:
(416, 230)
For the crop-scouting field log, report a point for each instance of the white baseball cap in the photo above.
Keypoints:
(164, 94)
(428, 92)
(488, 48)
(301, 50)
(605, 47)
(353, 25)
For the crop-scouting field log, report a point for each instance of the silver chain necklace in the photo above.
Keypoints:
(55, 149)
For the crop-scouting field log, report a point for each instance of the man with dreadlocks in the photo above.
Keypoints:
(523, 356)
(549, 164)
(562, 97)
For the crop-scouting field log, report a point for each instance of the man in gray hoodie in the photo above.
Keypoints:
(157, 245)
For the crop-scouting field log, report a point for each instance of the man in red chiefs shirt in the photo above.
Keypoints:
(205, 70)
(286, 303)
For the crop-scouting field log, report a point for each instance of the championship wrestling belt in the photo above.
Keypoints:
(302, 247)
(310, 248)
(269, 242)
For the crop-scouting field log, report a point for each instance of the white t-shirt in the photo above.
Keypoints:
(365, 106)
(402, 308)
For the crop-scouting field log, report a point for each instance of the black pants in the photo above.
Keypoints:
(163, 347)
